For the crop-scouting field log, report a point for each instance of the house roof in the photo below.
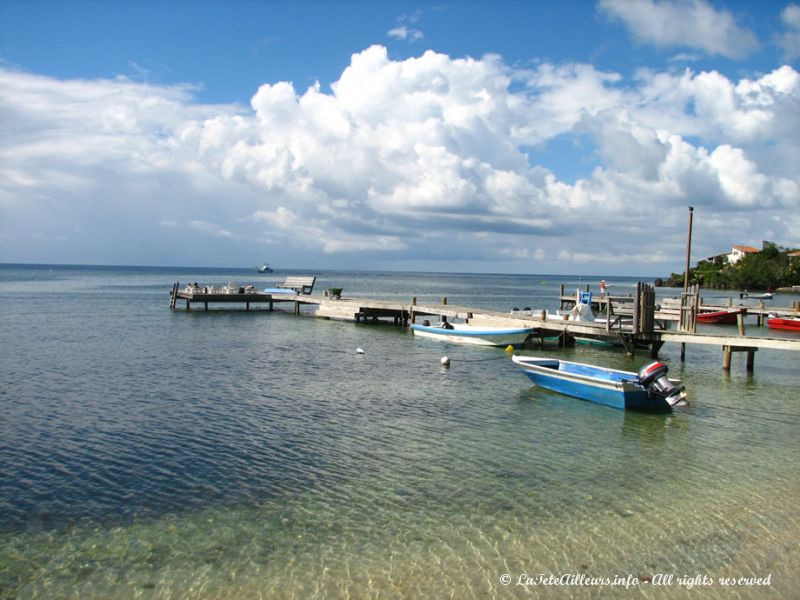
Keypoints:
(746, 249)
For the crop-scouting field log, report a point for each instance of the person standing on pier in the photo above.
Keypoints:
(603, 287)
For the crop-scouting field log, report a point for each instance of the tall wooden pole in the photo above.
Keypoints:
(688, 251)
(686, 272)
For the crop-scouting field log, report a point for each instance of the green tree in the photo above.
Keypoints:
(770, 268)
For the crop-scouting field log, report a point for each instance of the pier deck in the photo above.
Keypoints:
(403, 313)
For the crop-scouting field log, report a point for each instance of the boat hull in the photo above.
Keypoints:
(784, 324)
(609, 387)
(721, 317)
(475, 336)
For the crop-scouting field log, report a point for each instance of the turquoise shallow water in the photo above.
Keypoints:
(163, 454)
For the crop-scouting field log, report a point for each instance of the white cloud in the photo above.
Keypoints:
(406, 28)
(403, 32)
(789, 40)
(416, 161)
(209, 228)
(683, 23)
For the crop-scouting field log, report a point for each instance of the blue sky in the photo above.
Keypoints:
(534, 137)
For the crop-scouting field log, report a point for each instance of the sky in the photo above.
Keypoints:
(463, 136)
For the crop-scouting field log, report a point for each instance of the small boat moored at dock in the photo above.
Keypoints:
(721, 317)
(462, 333)
(764, 296)
(784, 324)
(647, 390)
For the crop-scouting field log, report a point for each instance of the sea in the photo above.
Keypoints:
(155, 453)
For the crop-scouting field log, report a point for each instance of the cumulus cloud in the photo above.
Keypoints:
(407, 163)
(789, 40)
(683, 23)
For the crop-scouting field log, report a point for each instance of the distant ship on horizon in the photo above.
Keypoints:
(265, 268)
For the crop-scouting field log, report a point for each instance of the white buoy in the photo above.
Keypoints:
(445, 361)
(359, 351)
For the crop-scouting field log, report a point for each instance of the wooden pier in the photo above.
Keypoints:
(646, 324)
(206, 298)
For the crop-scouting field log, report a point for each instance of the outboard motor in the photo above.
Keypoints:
(654, 378)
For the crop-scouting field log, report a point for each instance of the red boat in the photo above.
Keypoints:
(787, 324)
(721, 316)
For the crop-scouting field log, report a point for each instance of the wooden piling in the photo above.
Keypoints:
(174, 295)
(727, 352)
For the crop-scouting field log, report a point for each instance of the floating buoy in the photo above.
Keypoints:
(509, 348)
(359, 351)
(445, 361)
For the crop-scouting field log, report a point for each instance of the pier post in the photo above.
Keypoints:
(655, 347)
(727, 352)
(751, 357)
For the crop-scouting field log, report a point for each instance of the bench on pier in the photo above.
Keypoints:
(301, 285)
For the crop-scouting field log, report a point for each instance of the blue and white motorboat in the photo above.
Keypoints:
(265, 268)
(648, 390)
(462, 333)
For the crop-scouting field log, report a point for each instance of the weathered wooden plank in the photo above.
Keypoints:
(730, 340)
